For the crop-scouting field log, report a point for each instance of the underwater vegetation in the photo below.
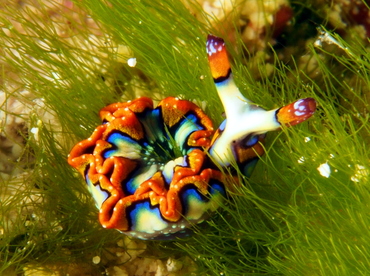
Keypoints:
(304, 209)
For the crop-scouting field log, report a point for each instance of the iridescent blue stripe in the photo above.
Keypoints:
(123, 146)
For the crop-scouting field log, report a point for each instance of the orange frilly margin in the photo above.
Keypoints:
(110, 174)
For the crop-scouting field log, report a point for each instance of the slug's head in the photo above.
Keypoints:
(239, 138)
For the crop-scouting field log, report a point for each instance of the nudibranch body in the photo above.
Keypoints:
(153, 172)
(145, 167)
